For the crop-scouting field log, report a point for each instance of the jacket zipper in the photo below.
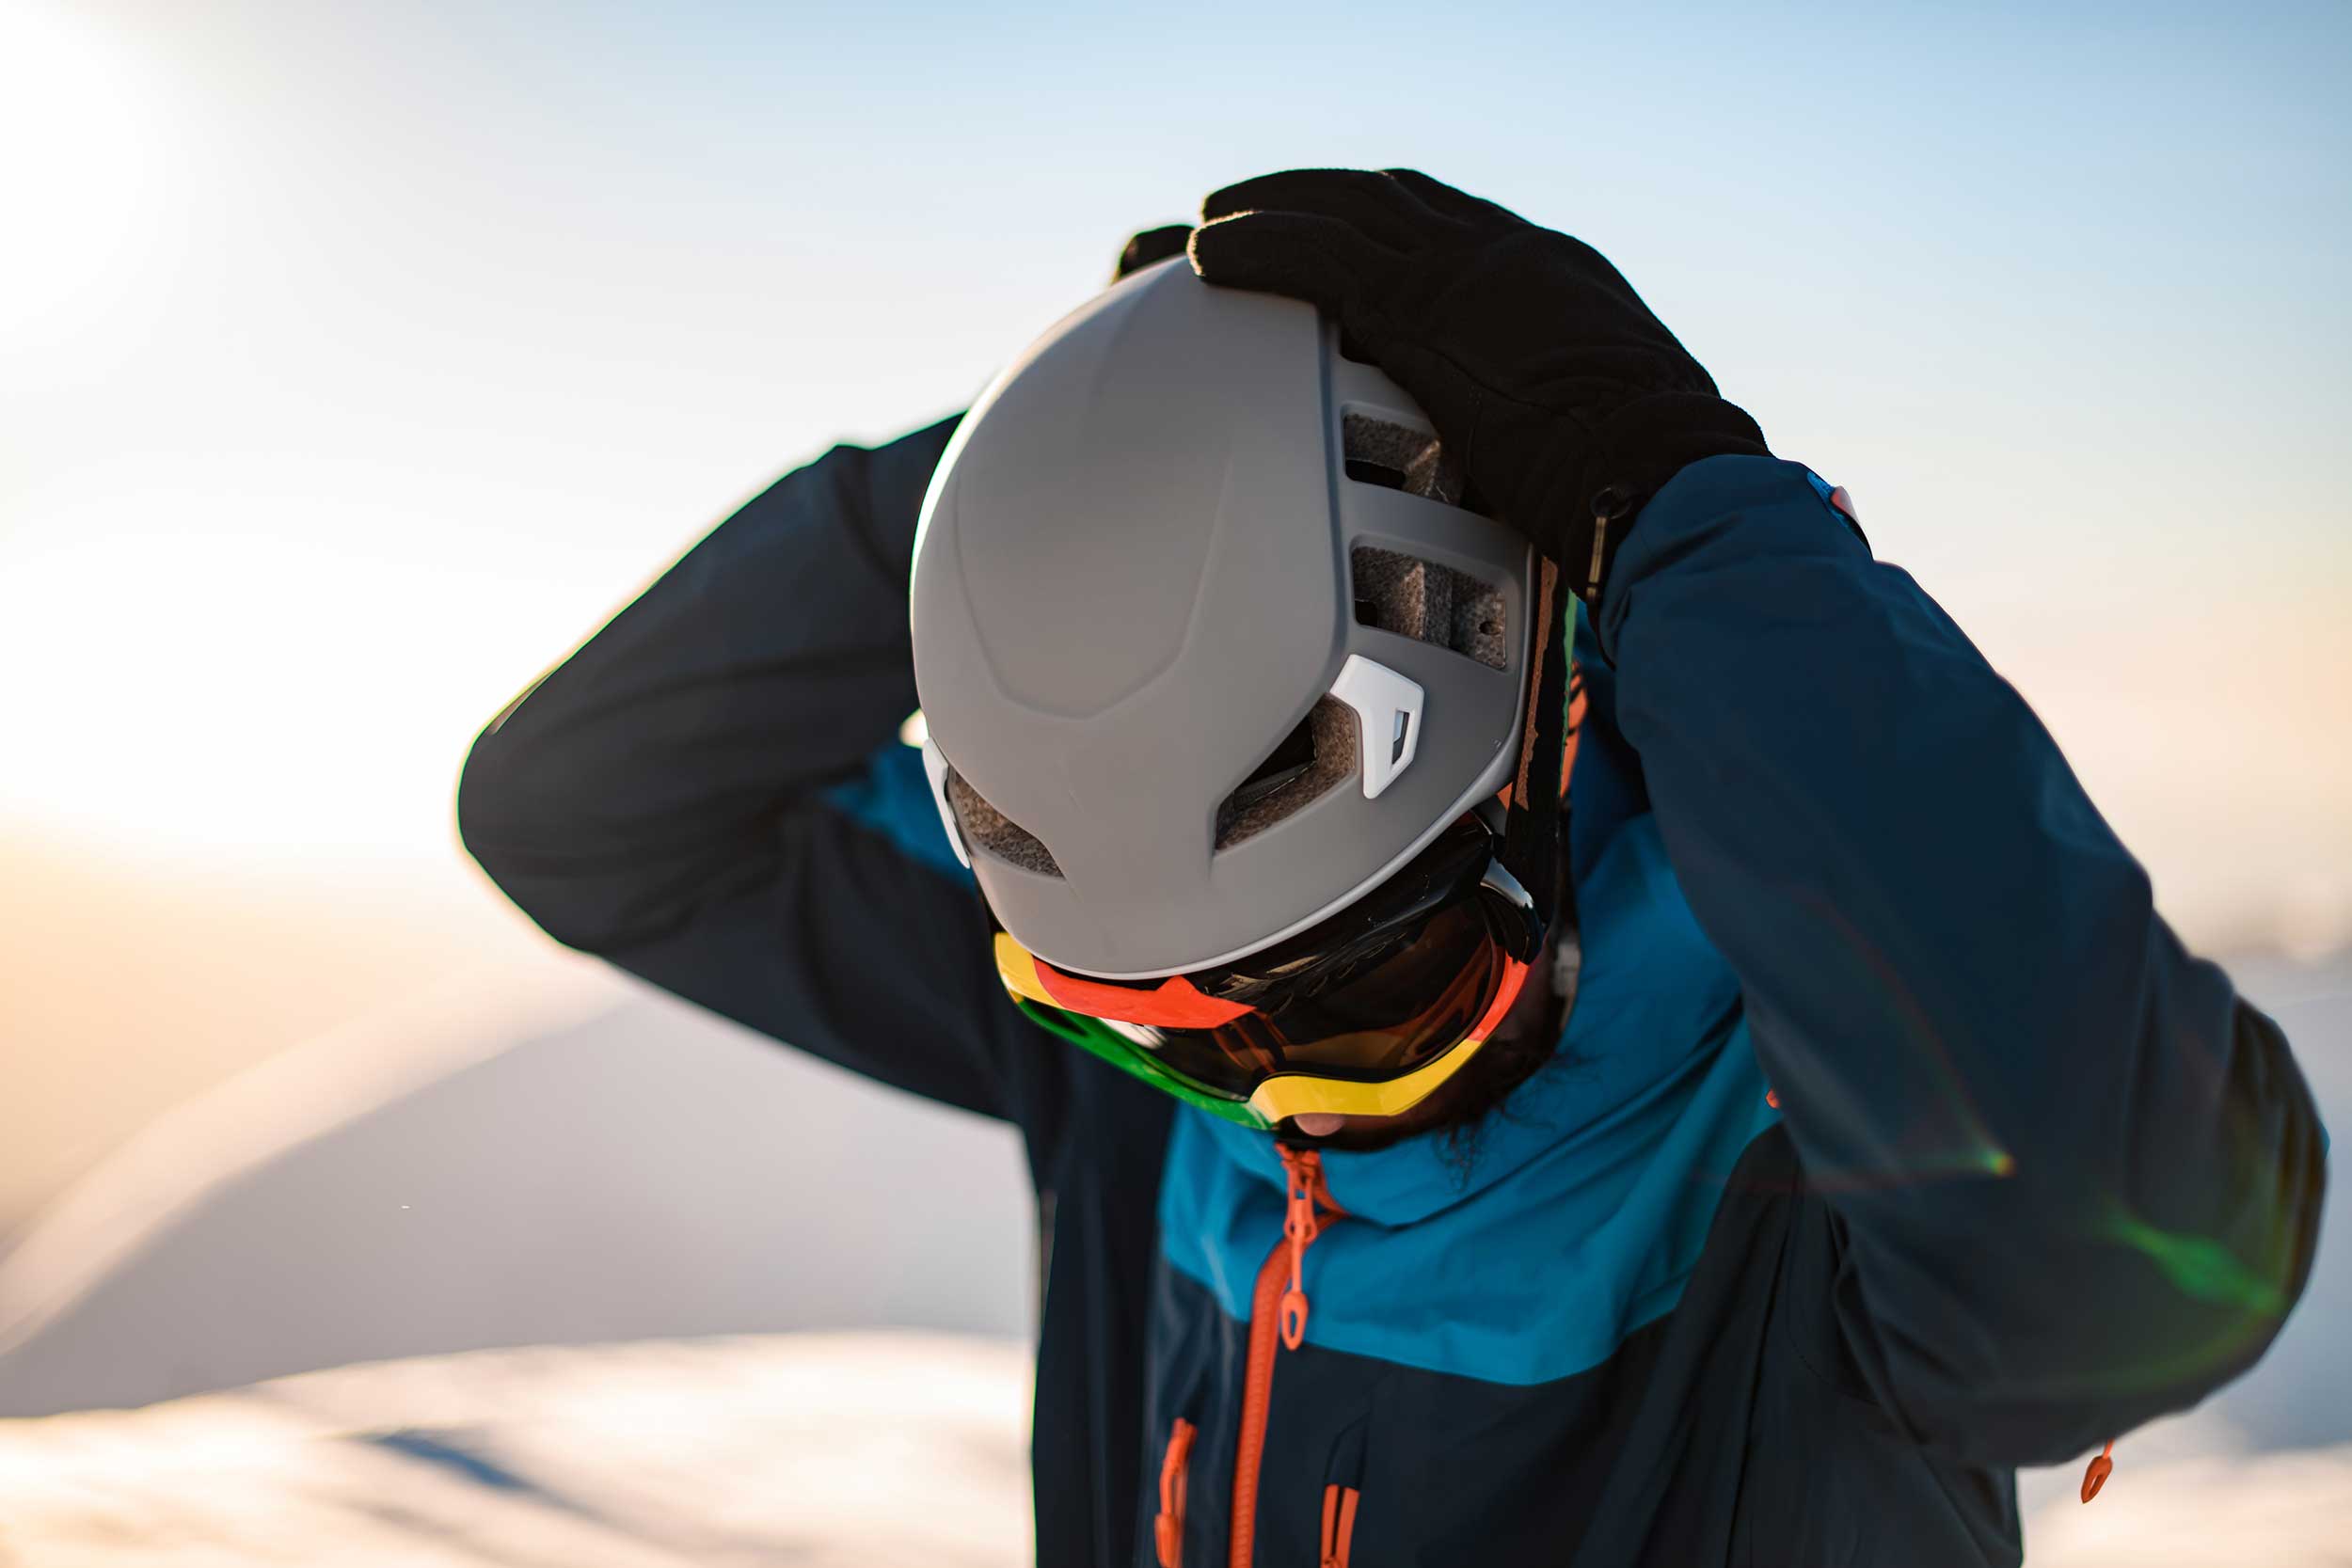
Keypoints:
(1276, 1305)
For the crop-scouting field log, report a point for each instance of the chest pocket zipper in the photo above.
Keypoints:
(1168, 1527)
(1343, 1476)
(1338, 1524)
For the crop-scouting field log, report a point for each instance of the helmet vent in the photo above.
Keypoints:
(986, 828)
(1399, 457)
(1318, 755)
(1429, 603)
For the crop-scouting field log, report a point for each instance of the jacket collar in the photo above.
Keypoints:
(1652, 1010)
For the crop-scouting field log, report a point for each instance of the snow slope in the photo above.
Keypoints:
(559, 1158)
(821, 1451)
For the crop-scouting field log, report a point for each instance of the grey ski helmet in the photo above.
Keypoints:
(1207, 643)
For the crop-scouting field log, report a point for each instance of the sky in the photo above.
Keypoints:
(356, 360)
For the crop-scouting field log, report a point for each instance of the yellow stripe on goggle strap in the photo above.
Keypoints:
(1018, 970)
(1292, 1093)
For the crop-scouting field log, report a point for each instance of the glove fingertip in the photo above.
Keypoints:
(1265, 252)
(1151, 246)
(1214, 257)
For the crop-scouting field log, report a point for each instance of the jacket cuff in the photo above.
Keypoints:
(1750, 505)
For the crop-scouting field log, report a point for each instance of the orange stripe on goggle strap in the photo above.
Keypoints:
(1175, 1002)
(1514, 981)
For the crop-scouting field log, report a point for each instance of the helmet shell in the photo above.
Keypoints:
(1137, 574)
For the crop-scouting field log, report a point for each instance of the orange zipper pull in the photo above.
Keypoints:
(2095, 1474)
(1304, 1170)
(1168, 1527)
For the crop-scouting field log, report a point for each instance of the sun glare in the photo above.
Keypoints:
(203, 694)
(77, 119)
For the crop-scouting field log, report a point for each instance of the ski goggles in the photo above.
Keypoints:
(1366, 1013)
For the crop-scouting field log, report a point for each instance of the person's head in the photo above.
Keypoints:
(1224, 680)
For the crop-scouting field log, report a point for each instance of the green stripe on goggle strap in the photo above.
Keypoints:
(1094, 1037)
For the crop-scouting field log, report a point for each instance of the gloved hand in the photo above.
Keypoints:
(1569, 403)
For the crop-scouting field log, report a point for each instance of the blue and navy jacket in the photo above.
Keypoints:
(2028, 1176)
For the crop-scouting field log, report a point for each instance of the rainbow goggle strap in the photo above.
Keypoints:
(1115, 1019)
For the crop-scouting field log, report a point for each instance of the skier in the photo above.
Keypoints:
(1558, 1010)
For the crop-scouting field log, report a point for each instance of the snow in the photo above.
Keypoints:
(824, 1451)
(820, 1449)
(2287, 1509)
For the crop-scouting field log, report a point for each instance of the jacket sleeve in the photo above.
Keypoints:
(2079, 1181)
(710, 793)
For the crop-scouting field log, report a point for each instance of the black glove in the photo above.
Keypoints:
(1152, 244)
(1569, 403)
